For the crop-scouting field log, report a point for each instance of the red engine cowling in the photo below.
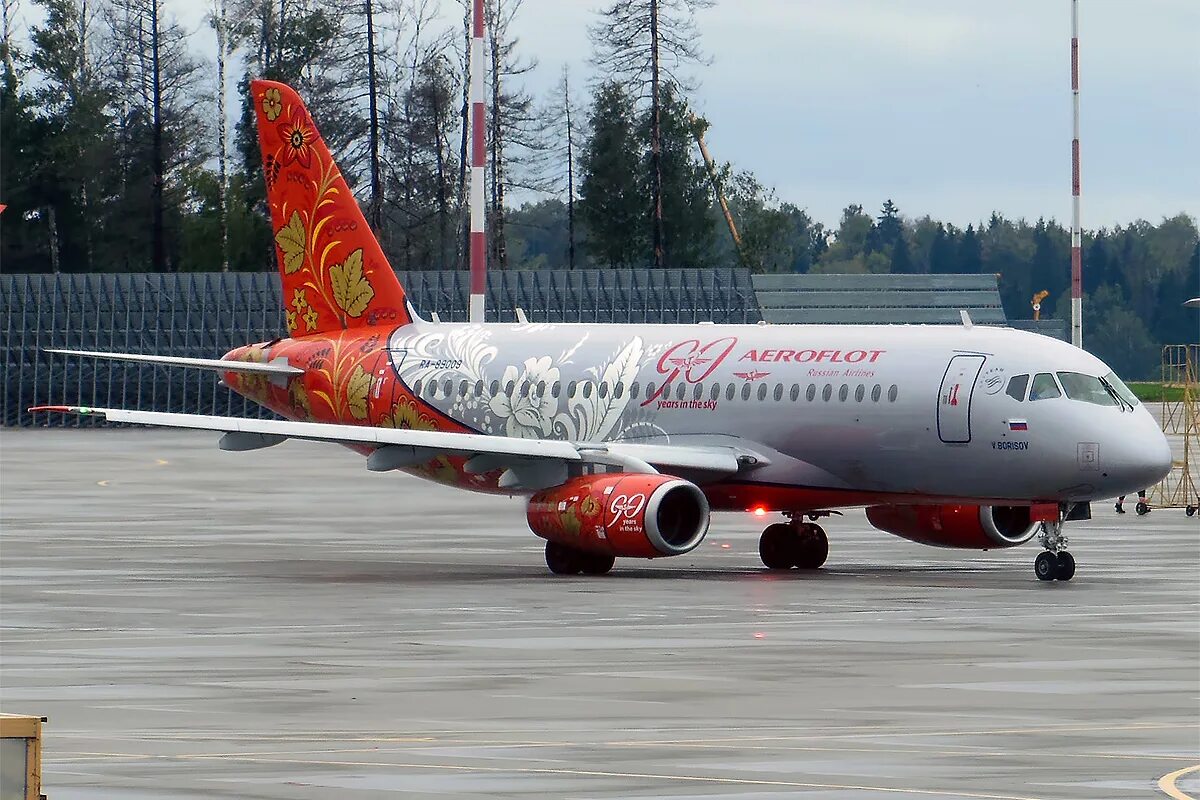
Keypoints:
(968, 527)
(622, 514)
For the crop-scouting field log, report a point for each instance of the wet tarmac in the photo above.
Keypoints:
(284, 624)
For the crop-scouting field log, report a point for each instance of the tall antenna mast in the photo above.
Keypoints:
(478, 237)
(1076, 230)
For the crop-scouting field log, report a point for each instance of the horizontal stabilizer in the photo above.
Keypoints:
(278, 367)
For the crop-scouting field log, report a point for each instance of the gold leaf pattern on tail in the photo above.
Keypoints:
(357, 390)
(351, 289)
(291, 239)
(272, 104)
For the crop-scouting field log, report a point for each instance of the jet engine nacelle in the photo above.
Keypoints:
(967, 527)
(622, 514)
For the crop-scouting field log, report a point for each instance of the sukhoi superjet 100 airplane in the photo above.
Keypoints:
(625, 438)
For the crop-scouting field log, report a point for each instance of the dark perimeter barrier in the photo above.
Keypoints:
(204, 315)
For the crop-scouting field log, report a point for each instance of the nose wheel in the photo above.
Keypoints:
(785, 545)
(1055, 563)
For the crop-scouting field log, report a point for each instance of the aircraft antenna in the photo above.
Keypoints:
(1076, 230)
(475, 65)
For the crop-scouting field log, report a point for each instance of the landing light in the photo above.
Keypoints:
(759, 511)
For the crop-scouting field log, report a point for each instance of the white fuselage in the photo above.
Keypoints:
(920, 410)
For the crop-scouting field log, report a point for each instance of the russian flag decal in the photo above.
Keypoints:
(1018, 425)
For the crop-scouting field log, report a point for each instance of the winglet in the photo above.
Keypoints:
(80, 410)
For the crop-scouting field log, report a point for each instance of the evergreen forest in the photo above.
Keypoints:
(115, 156)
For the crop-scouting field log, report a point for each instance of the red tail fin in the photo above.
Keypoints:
(334, 273)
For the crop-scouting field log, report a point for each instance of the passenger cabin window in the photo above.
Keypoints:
(730, 390)
(1017, 385)
(810, 393)
(1086, 388)
(876, 393)
(746, 391)
(1044, 387)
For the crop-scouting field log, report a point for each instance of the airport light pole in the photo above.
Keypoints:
(478, 244)
(1076, 229)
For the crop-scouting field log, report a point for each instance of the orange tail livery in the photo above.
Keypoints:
(334, 273)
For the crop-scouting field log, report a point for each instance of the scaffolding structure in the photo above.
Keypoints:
(1180, 416)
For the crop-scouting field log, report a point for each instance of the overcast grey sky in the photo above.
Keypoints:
(952, 108)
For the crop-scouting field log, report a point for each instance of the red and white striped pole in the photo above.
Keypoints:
(1076, 230)
(478, 149)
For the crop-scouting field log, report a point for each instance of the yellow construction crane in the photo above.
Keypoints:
(698, 131)
(1036, 302)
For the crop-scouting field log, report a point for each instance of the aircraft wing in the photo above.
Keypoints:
(533, 463)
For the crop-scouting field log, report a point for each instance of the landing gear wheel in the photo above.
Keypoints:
(1045, 566)
(812, 546)
(776, 546)
(597, 563)
(1065, 567)
(1190, 511)
(1142, 509)
(563, 560)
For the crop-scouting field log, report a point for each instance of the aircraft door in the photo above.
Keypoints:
(954, 399)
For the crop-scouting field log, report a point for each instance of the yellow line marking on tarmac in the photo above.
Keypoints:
(1167, 782)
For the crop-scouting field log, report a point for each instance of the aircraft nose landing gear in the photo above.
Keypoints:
(793, 544)
(1055, 564)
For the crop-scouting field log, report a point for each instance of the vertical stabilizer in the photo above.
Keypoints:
(334, 273)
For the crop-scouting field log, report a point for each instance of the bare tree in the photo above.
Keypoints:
(220, 22)
(564, 127)
(376, 208)
(157, 78)
(639, 42)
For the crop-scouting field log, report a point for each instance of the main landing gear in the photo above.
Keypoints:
(564, 560)
(1055, 564)
(794, 543)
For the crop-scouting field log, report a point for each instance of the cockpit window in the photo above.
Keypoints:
(1017, 385)
(1087, 388)
(1044, 387)
(1121, 389)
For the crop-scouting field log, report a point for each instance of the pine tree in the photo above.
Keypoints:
(611, 207)
(888, 229)
(642, 43)
(942, 260)
(970, 252)
(687, 222)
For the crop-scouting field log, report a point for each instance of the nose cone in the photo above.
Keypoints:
(1142, 458)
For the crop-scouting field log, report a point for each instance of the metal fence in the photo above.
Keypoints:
(207, 314)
